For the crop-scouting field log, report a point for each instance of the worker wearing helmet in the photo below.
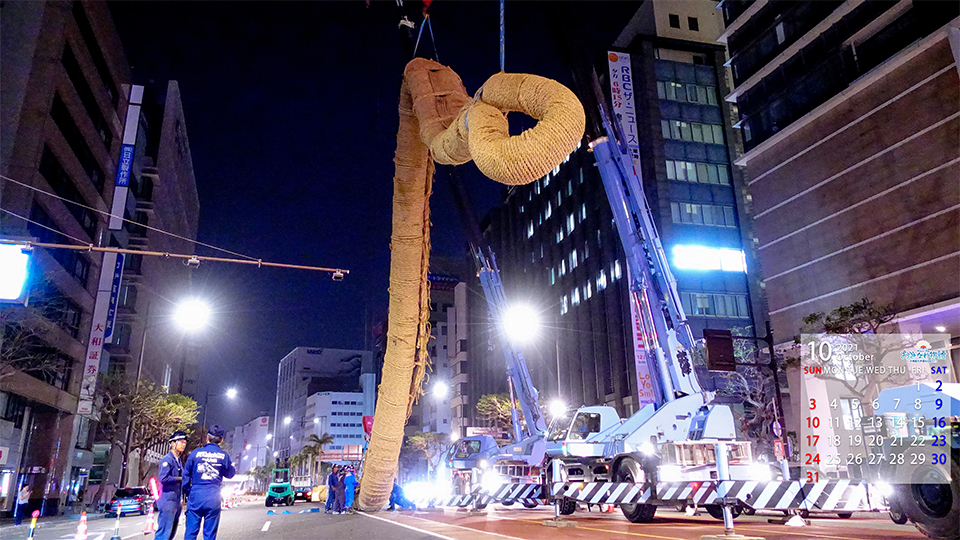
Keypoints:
(203, 475)
(170, 474)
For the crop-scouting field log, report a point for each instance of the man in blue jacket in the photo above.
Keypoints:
(203, 474)
(171, 483)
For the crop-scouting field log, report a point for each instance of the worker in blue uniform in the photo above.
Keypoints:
(170, 474)
(203, 474)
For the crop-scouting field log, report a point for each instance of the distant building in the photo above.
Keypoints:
(560, 251)
(849, 122)
(306, 371)
(252, 444)
(340, 415)
(65, 80)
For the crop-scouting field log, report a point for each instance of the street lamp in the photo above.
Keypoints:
(440, 390)
(522, 323)
(230, 393)
(557, 408)
(190, 316)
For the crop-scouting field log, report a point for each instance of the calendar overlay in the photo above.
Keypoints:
(874, 407)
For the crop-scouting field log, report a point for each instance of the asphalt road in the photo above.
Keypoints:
(250, 521)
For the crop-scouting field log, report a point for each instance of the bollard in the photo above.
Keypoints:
(33, 523)
(82, 527)
(116, 526)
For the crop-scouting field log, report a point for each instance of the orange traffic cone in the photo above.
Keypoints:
(82, 527)
(151, 525)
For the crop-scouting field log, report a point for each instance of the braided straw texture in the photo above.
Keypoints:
(435, 114)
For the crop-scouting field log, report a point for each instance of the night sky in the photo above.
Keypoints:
(291, 113)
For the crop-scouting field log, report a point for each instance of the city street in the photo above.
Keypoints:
(251, 521)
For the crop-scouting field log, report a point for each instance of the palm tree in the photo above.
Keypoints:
(313, 447)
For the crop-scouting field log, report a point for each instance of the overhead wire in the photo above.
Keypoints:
(37, 223)
(108, 214)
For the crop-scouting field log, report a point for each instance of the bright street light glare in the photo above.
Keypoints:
(440, 389)
(269, 436)
(454, 437)
(13, 271)
(520, 323)
(287, 420)
(316, 420)
(557, 408)
(248, 447)
(231, 393)
(192, 315)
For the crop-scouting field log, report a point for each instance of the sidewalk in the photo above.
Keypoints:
(6, 524)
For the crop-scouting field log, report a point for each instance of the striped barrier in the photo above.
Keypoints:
(830, 495)
(527, 494)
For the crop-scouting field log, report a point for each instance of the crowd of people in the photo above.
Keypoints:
(341, 489)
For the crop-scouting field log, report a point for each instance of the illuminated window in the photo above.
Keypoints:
(690, 257)
(586, 250)
(546, 180)
(571, 223)
(602, 280)
(529, 229)
(583, 212)
(559, 199)
(703, 214)
(564, 307)
(587, 291)
(575, 296)
(553, 276)
(569, 188)
(563, 268)
(548, 211)
(615, 272)
(733, 306)
(573, 259)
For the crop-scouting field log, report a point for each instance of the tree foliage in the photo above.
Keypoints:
(495, 409)
(857, 323)
(30, 333)
(154, 413)
(430, 445)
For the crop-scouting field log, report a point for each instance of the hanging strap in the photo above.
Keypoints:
(426, 24)
(502, 69)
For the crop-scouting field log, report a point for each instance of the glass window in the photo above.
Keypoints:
(671, 173)
(587, 291)
(724, 174)
(729, 218)
(674, 21)
(679, 91)
(529, 229)
(697, 131)
(692, 93)
(571, 223)
(665, 128)
(602, 280)
(583, 212)
(563, 305)
(563, 267)
(711, 176)
(703, 172)
(685, 131)
(573, 259)
(717, 134)
(575, 296)
(553, 276)
(675, 212)
(661, 91)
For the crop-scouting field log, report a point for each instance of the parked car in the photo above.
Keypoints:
(303, 493)
(129, 500)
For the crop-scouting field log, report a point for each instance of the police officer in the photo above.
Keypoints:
(203, 473)
(171, 484)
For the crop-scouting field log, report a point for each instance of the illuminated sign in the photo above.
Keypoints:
(705, 258)
(13, 272)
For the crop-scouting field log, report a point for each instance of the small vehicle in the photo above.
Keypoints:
(302, 488)
(280, 491)
(129, 500)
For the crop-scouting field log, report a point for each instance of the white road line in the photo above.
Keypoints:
(411, 527)
(265, 527)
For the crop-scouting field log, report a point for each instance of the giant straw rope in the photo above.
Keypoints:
(440, 122)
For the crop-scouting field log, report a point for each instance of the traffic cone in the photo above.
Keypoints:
(151, 525)
(82, 527)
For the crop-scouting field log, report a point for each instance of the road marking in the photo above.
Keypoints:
(265, 527)
(431, 533)
(539, 522)
(817, 535)
(467, 528)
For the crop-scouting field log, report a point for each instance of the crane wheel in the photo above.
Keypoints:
(933, 508)
(629, 470)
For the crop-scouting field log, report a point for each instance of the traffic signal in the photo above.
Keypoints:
(719, 350)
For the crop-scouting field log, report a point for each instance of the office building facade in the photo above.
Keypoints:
(306, 371)
(850, 126)
(64, 77)
(557, 241)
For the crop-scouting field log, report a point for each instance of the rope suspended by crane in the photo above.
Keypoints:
(440, 122)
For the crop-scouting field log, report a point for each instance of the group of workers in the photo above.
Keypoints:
(199, 479)
(341, 488)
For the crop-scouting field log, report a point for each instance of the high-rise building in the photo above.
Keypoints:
(558, 246)
(65, 80)
(306, 371)
(850, 126)
(252, 445)
(67, 92)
